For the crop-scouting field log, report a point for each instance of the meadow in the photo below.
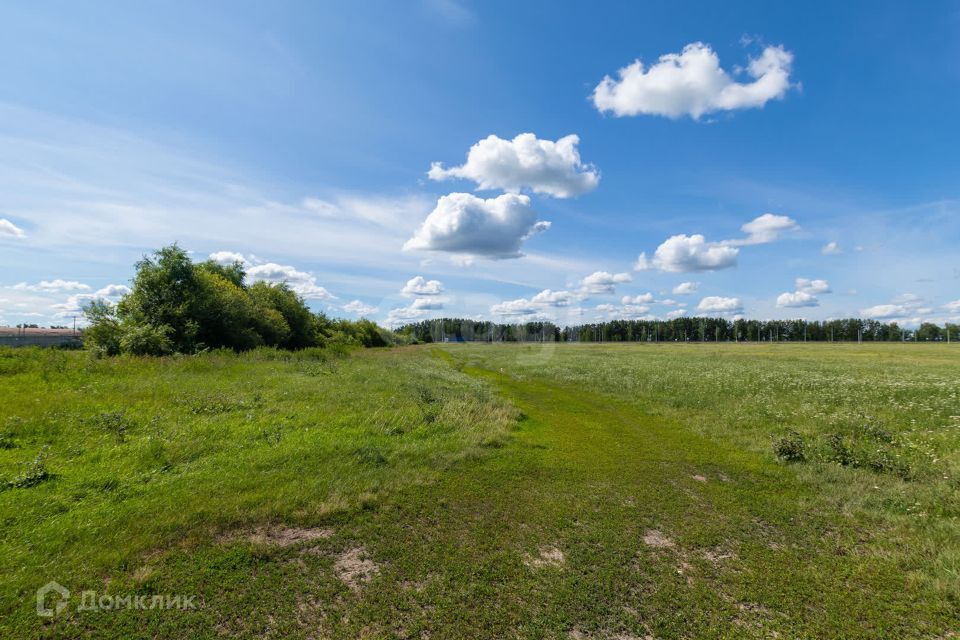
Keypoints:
(474, 491)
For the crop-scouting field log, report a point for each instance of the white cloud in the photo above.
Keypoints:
(812, 286)
(676, 313)
(718, 304)
(403, 315)
(519, 307)
(634, 311)
(302, 283)
(417, 309)
(643, 298)
(534, 306)
(625, 312)
(686, 288)
(693, 83)
(359, 308)
(420, 286)
(465, 224)
(763, 229)
(112, 291)
(885, 311)
(553, 298)
(227, 258)
(543, 166)
(797, 299)
(908, 300)
(52, 286)
(682, 253)
(902, 306)
(7, 228)
(832, 248)
(74, 304)
(805, 294)
(953, 307)
(603, 282)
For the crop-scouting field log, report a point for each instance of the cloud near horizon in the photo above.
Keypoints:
(302, 283)
(720, 304)
(805, 294)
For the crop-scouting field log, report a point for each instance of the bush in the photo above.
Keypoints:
(790, 447)
(147, 340)
(103, 334)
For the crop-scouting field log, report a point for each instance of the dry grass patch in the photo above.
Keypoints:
(547, 557)
(355, 568)
(657, 539)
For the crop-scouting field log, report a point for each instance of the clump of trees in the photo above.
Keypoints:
(695, 329)
(179, 306)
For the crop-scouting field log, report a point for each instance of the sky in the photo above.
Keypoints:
(497, 160)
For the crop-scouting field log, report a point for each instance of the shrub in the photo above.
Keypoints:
(790, 447)
(839, 450)
(147, 340)
(103, 334)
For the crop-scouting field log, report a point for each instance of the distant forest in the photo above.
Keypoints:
(678, 330)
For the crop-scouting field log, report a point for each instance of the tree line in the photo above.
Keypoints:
(694, 329)
(177, 305)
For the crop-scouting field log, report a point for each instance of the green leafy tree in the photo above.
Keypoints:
(104, 331)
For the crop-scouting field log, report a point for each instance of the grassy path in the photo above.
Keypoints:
(598, 521)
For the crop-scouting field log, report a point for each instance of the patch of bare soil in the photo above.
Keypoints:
(355, 568)
(283, 536)
(548, 557)
(657, 539)
(716, 556)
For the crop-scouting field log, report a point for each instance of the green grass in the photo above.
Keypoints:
(534, 491)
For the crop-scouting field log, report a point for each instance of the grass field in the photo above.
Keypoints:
(478, 491)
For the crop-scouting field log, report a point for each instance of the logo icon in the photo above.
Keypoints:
(42, 609)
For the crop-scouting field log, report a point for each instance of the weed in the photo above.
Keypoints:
(34, 472)
(271, 435)
(790, 447)
(115, 422)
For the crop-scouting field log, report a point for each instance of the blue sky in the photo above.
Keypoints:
(299, 136)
